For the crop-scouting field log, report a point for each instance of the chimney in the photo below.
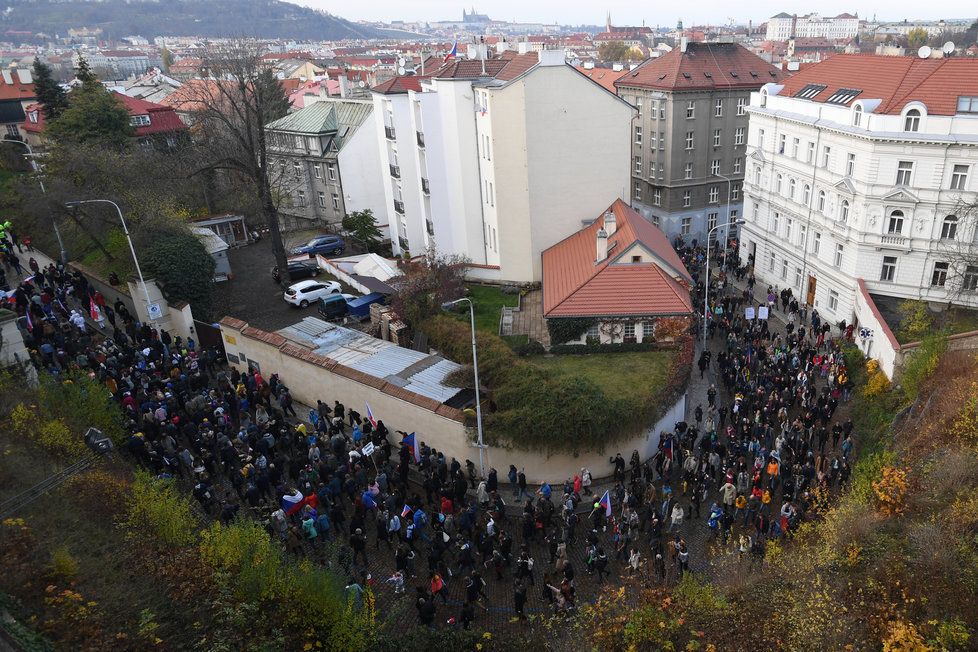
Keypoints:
(602, 245)
(552, 57)
(344, 91)
(683, 43)
(610, 223)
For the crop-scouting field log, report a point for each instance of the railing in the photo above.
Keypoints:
(893, 240)
(395, 171)
(399, 207)
(389, 132)
(424, 186)
(420, 135)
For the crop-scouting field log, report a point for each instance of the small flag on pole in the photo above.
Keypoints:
(370, 416)
(606, 503)
(452, 53)
(411, 442)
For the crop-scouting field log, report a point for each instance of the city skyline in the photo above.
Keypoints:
(709, 12)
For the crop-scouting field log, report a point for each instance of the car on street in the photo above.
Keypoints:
(305, 292)
(323, 244)
(298, 269)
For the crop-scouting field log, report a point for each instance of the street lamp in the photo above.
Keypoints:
(125, 229)
(40, 182)
(475, 366)
(706, 290)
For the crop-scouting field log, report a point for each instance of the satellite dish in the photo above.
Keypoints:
(401, 61)
(924, 52)
(948, 48)
(362, 84)
(400, 70)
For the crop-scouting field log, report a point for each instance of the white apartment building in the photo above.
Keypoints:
(861, 167)
(498, 158)
(785, 26)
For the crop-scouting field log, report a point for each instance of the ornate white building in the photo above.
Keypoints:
(861, 168)
(785, 26)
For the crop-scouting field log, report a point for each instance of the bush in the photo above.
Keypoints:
(921, 364)
(64, 565)
(183, 269)
(619, 347)
(532, 347)
(157, 508)
(565, 330)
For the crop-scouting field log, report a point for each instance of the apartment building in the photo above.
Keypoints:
(862, 168)
(689, 137)
(784, 26)
(498, 158)
(324, 162)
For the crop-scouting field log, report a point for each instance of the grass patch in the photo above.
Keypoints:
(488, 303)
(641, 375)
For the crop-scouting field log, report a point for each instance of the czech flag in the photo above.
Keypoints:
(667, 445)
(370, 416)
(292, 503)
(606, 503)
(411, 442)
(407, 510)
(452, 53)
(368, 500)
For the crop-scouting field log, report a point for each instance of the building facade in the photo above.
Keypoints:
(689, 138)
(324, 164)
(497, 158)
(862, 168)
(785, 26)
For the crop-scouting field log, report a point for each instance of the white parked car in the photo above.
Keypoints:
(305, 292)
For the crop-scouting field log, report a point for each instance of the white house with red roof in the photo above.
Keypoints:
(621, 272)
(861, 168)
(16, 94)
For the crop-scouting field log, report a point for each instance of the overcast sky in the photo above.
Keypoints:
(633, 12)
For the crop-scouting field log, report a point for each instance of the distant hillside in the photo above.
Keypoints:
(150, 18)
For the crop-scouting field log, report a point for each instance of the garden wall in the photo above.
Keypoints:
(310, 377)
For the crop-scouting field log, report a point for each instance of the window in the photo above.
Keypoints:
(739, 136)
(652, 141)
(592, 332)
(820, 204)
(826, 154)
(647, 330)
(689, 171)
(781, 146)
(939, 277)
(735, 192)
(738, 164)
(733, 218)
(638, 164)
(336, 201)
(718, 109)
(789, 225)
(904, 173)
(662, 140)
(784, 269)
(662, 170)
(13, 131)
(300, 198)
(689, 140)
(959, 177)
(844, 210)
(716, 137)
(806, 194)
(888, 271)
(802, 236)
(810, 90)
(139, 120)
(967, 104)
(687, 197)
(638, 190)
(839, 250)
(776, 223)
(638, 135)
(771, 261)
(895, 225)
(850, 164)
(857, 115)
(798, 277)
(296, 168)
(755, 210)
(778, 183)
(792, 184)
(741, 105)
(843, 96)
(331, 171)
(949, 228)
(629, 332)
(714, 194)
(687, 226)
(715, 167)
(912, 121)
(711, 220)
(638, 105)
(970, 279)
(317, 170)
(833, 300)
(757, 175)
(656, 196)
(816, 242)
(760, 139)
(322, 199)
(810, 155)
(690, 110)
(795, 143)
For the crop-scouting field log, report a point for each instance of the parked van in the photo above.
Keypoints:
(333, 307)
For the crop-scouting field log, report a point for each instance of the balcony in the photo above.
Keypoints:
(403, 243)
(420, 135)
(898, 241)
(424, 186)
(399, 207)
(395, 171)
(390, 133)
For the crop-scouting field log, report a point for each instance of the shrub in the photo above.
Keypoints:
(183, 269)
(244, 550)
(921, 364)
(618, 347)
(158, 509)
(565, 330)
(82, 402)
(532, 347)
(64, 565)
(891, 491)
(100, 492)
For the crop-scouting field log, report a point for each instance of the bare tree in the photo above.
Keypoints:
(238, 96)
(958, 246)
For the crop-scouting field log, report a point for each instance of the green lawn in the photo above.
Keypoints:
(488, 302)
(619, 374)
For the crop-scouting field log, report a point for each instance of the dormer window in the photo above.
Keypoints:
(912, 120)
(857, 115)
(32, 116)
(139, 120)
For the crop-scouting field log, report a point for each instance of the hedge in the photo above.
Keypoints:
(568, 328)
(535, 408)
(618, 347)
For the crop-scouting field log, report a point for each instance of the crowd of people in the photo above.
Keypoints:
(402, 519)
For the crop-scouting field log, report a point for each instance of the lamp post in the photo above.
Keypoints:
(706, 289)
(125, 229)
(40, 182)
(475, 366)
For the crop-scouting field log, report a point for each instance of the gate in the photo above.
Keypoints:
(209, 336)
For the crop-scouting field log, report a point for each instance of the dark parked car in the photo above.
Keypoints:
(324, 244)
(297, 270)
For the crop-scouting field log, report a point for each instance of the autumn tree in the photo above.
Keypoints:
(613, 51)
(916, 37)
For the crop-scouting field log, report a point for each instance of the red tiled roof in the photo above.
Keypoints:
(163, 119)
(506, 67)
(189, 64)
(396, 85)
(894, 80)
(575, 285)
(603, 76)
(704, 65)
(17, 90)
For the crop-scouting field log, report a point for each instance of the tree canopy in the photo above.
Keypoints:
(362, 226)
(93, 115)
(50, 94)
(181, 266)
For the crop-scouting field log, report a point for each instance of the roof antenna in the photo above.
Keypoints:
(482, 53)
